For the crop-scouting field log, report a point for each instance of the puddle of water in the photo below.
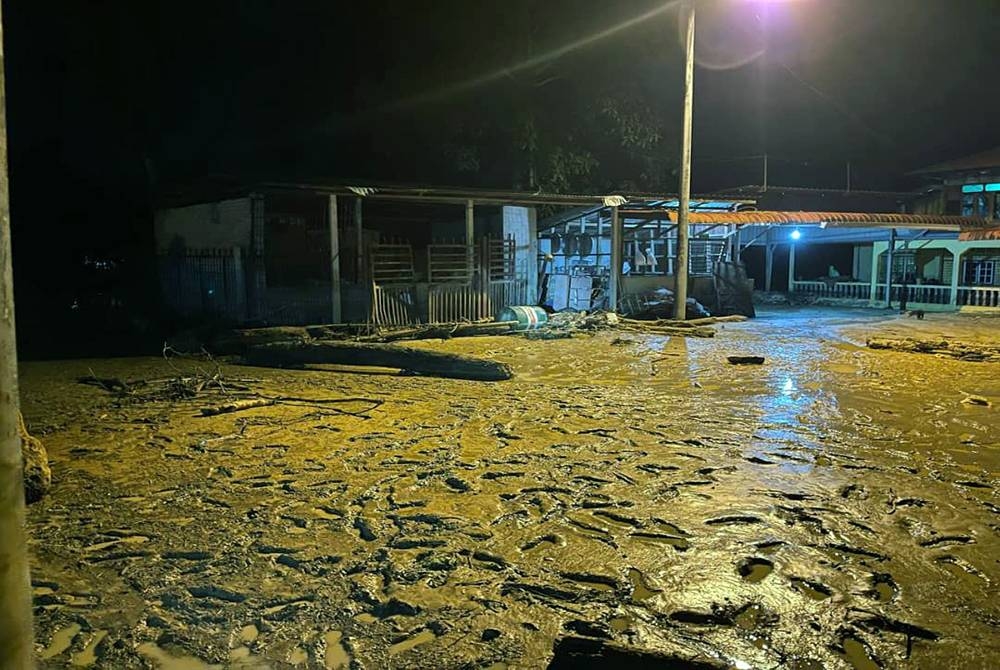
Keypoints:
(857, 655)
(165, 661)
(423, 637)
(754, 570)
(812, 590)
(88, 656)
(61, 641)
(336, 657)
(620, 623)
(640, 589)
(884, 589)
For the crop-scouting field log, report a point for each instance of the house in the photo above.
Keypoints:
(334, 252)
(941, 269)
(330, 252)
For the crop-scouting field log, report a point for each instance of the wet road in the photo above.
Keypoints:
(835, 507)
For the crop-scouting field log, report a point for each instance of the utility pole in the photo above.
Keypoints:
(15, 586)
(684, 196)
(765, 174)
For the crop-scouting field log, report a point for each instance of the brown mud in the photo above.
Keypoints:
(649, 503)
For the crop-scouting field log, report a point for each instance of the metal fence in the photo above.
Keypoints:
(205, 282)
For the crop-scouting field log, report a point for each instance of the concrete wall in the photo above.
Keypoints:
(862, 262)
(214, 225)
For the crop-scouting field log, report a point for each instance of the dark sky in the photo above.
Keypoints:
(111, 101)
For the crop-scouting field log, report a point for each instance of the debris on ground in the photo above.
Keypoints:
(35, 460)
(977, 400)
(962, 350)
(745, 360)
(658, 303)
(419, 361)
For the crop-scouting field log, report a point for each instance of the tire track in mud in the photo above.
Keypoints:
(481, 533)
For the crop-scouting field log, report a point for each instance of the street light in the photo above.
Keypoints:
(684, 194)
(684, 190)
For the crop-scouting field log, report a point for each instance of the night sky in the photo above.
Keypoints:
(111, 103)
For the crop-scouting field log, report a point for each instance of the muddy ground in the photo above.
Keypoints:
(834, 508)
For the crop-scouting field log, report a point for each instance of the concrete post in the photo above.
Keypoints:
(15, 586)
(791, 267)
(334, 224)
(768, 265)
(616, 259)
(873, 290)
(888, 268)
(956, 275)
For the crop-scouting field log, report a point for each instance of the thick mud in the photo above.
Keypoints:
(835, 507)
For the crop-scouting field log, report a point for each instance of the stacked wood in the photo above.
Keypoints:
(430, 363)
(962, 350)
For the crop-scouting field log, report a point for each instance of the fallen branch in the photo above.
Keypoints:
(237, 406)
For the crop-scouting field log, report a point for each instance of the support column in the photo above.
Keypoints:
(791, 267)
(616, 259)
(888, 267)
(956, 275)
(769, 265)
(873, 279)
(737, 244)
(359, 266)
(16, 650)
(331, 218)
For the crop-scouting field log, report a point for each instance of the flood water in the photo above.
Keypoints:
(835, 507)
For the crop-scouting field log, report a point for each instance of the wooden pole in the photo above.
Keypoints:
(616, 259)
(335, 314)
(684, 197)
(470, 237)
(16, 646)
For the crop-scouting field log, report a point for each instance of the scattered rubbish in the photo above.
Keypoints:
(979, 352)
(526, 317)
(745, 360)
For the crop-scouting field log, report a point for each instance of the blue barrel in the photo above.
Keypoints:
(528, 317)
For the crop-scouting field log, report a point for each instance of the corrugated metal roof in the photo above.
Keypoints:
(980, 234)
(841, 219)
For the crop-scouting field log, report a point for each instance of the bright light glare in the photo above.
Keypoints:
(796, 234)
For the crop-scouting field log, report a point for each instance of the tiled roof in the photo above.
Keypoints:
(840, 219)
(980, 234)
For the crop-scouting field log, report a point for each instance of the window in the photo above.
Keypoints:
(974, 204)
(980, 273)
